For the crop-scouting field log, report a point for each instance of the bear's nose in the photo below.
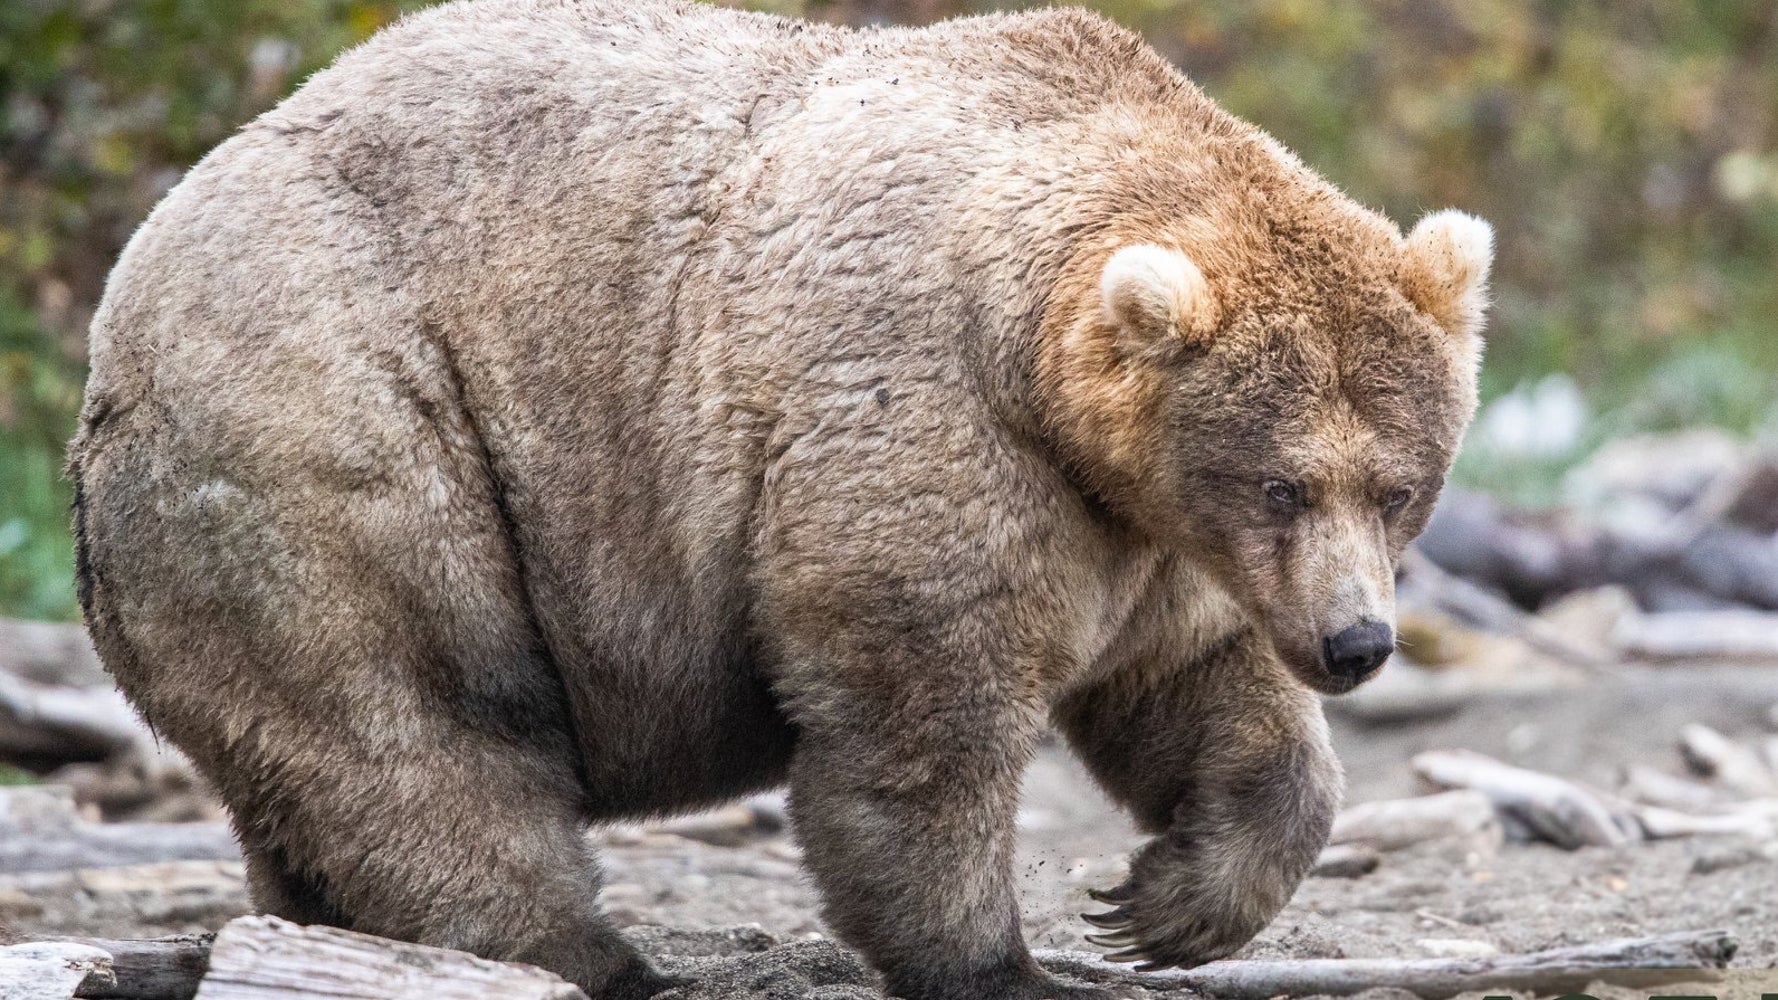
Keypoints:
(1355, 652)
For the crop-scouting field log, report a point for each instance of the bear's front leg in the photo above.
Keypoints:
(904, 798)
(1226, 760)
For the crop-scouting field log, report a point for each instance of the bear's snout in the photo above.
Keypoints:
(1353, 654)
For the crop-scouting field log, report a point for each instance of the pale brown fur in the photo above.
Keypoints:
(557, 412)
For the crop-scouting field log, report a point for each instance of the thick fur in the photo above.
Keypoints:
(557, 412)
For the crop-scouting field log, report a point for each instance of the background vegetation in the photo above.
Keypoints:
(1626, 150)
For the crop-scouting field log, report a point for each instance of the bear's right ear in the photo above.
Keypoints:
(1155, 293)
(1445, 264)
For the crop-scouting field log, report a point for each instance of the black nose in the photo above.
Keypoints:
(1357, 651)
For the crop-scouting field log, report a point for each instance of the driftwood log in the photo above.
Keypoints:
(1464, 816)
(159, 969)
(1555, 809)
(1739, 769)
(41, 831)
(50, 970)
(1346, 861)
(1729, 634)
(1630, 962)
(264, 958)
(50, 653)
(172, 896)
(44, 724)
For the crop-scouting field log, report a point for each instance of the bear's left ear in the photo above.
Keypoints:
(1444, 269)
(1154, 292)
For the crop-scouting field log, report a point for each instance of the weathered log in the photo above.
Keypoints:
(264, 958)
(1464, 816)
(1712, 755)
(159, 787)
(166, 968)
(44, 724)
(1481, 608)
(47, 970)
(1736, 635)
(1629, 962)
(1648, 786)
(117, 845)
(1663, 824)
(36, 810)
(41, 831)
(1560, 811)
(49, 653)
(158, 898)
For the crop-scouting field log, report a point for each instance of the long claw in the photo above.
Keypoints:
(1110, 920)
(1152, 966)
(1126, 957)
(1115, 896)
(1112, 940)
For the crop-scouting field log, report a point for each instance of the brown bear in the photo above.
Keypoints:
(563, 411)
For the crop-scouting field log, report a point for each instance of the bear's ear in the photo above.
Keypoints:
(1155, 292)
(1445, 267)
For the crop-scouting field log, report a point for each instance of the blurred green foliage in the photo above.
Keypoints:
(1626, 150)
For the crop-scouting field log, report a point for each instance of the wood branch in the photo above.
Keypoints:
(1465, 816)
(264, 958)
(1629, 962)
(157, 969)
(1560, 811)
(45, 970)
(41, 723)
(49, 653)
(1712, 755)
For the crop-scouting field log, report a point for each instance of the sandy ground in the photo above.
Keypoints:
(690, 902)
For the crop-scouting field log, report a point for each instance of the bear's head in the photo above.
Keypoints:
(1275, 385)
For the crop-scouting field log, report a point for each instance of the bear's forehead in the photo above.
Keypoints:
(1390, 387)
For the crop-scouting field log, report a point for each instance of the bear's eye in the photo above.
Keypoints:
(1397, 499)
(1283, 495)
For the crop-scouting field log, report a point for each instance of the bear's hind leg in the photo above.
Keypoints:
(280, 890)
(356, 674)
(1226, 760)
(447, 840)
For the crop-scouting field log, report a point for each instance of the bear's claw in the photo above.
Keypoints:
(1115, 896)
(1110, 920)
